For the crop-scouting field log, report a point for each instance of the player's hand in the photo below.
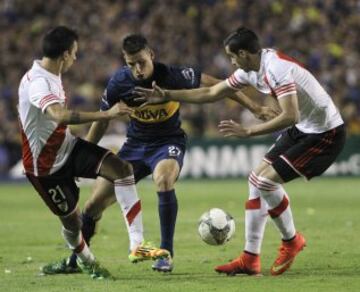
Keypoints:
(152, 95)
(229, 128)
(119, 110)
(266, 113)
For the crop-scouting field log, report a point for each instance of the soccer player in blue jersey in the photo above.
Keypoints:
(312, 138)
(155, 140)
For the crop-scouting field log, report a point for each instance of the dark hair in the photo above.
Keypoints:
(134, 43)
(243, 39)
(57, 41)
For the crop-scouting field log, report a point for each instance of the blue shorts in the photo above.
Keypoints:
(144, 156)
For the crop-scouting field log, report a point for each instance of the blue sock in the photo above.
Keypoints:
(88, 227)
(88, 231)
(168, 208)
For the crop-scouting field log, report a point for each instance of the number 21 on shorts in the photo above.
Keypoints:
(58, 197)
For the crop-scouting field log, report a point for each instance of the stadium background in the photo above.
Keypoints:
(324, 35)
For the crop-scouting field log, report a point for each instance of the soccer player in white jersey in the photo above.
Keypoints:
(53, 157)
(314, 137)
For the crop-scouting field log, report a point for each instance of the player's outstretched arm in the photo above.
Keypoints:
(198, 95)
(289, 116)
(208, 80)
(70, 117)
(261, 112)
(264, 113)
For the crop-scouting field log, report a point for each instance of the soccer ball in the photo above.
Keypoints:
(216, 227)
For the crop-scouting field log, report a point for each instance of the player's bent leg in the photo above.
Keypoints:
(113, 168)
(270, 173)
(73, 223)
(71, 230)
(85, 259)
(255, 220)
(261, 167)
(165, 174)
(102, 197)
(272, 191)
(120, 173)
(255, 214)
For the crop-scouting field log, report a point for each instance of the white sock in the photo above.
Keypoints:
(128, 199)
(76, 242)
(255, 217)
(279, 206)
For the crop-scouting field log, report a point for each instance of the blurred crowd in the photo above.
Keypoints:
(322, 34)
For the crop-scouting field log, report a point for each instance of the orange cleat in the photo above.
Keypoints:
(287, 253)
(246, 263)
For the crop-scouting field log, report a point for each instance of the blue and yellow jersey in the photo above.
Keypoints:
(153, 122)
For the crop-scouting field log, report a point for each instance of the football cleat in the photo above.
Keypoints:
(287, 253)
(147, 251)
(95, 270)
(246, 263)
(60, 267)
(163, 265)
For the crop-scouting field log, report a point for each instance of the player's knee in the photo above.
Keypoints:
(257, 180)
(252, 179)
(121, 168)
(115, 168)
(269, 173)
(267, 187)
(164, 182)
(126, 168)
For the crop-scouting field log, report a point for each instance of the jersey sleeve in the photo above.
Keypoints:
(104, 104)
(41, 94)
(185, 77)
(237, 80)
(109, 97)
(283, 80)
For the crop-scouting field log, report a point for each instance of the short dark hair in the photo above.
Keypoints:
(134, 43)
(243, 39)
(57, 41)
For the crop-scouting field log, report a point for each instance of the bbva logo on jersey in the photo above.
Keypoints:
(148, 114)
(156, 113)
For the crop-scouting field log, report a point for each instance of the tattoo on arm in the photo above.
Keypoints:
(74, 117)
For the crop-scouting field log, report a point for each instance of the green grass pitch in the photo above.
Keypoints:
(326, 210)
